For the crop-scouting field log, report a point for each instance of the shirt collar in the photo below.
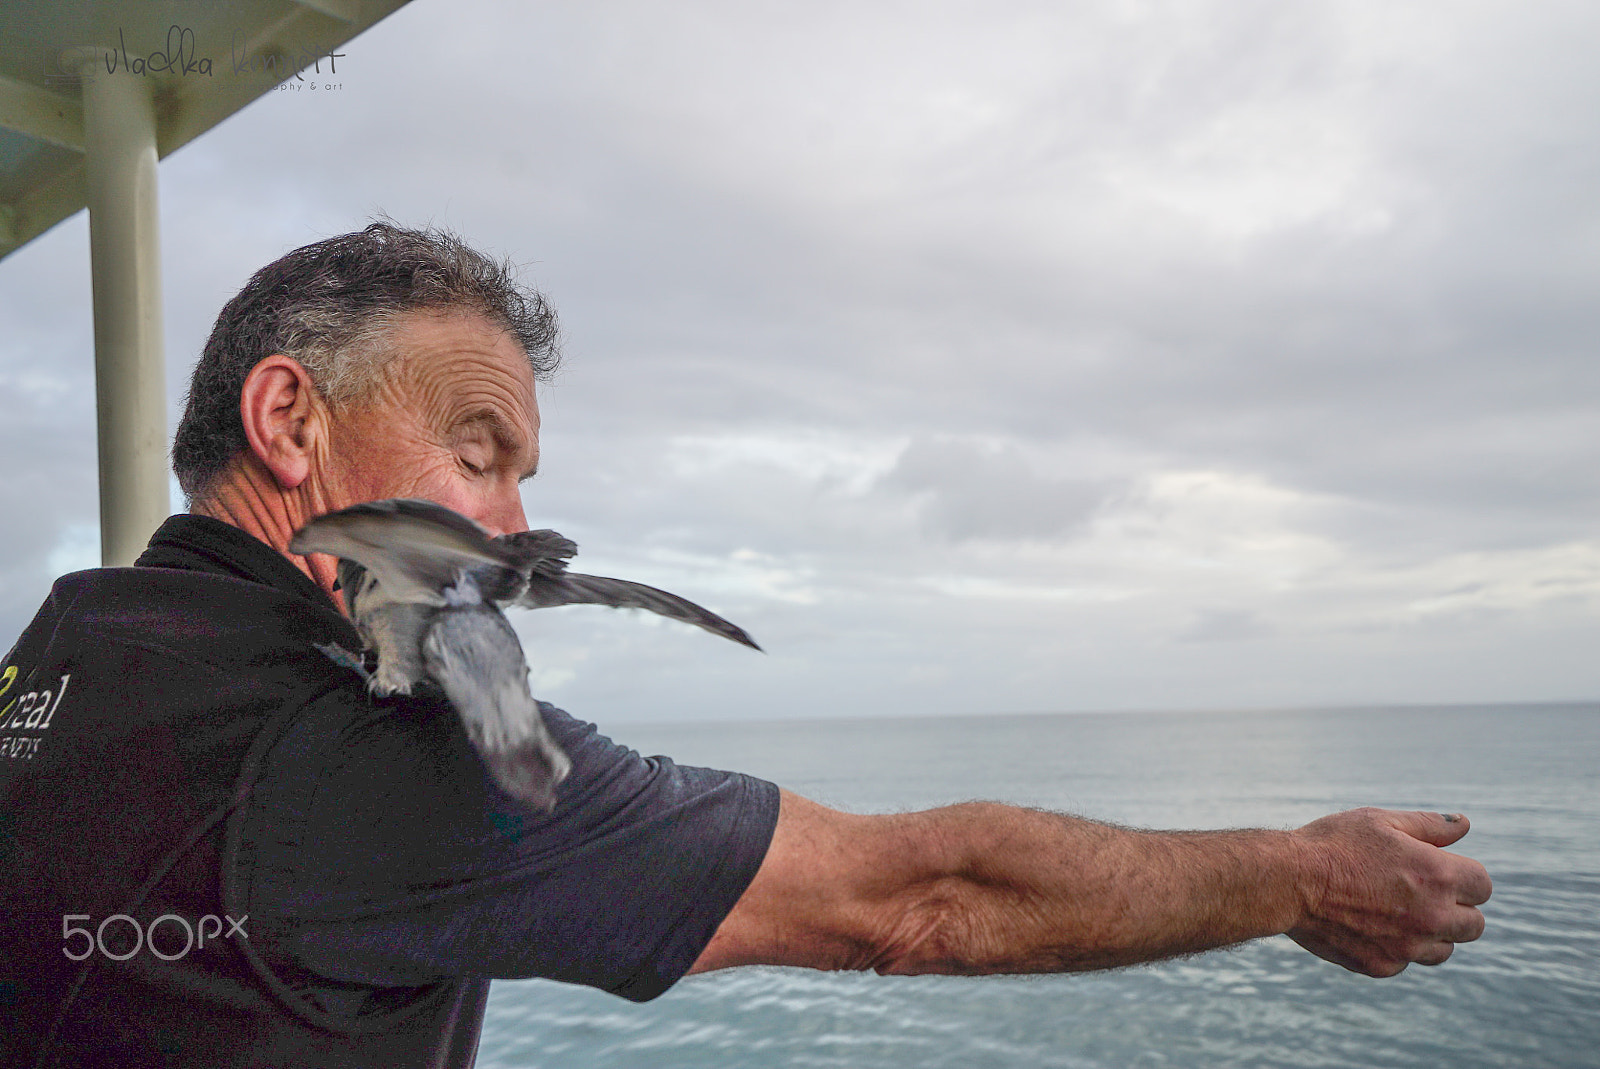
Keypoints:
(203, 544)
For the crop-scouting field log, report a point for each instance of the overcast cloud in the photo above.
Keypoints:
(975, 357)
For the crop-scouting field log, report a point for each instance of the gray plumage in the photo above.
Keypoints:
(425, 586)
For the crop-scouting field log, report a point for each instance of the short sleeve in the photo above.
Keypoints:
(376, 851)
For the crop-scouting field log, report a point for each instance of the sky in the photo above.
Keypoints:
(976, 358)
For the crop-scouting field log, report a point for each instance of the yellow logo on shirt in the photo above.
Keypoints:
(26, 717)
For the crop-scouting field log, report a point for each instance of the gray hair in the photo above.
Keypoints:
(331, 307)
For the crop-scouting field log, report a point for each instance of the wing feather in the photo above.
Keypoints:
(414, 548)
(575, 589)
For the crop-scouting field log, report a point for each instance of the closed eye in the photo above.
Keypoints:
(475, 453)
(485, 441)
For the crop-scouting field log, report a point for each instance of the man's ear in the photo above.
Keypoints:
(283, 418)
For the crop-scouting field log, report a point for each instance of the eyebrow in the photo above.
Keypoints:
(506, 438)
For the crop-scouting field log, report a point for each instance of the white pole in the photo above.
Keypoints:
(125, 257)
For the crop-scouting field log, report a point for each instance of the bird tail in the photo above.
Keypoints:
(529, 770)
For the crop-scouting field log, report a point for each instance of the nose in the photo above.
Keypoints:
(505, 515)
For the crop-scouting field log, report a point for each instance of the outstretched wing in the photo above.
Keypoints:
(573, 589)
(413, 548)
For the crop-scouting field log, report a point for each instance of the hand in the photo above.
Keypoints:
(1383, 894)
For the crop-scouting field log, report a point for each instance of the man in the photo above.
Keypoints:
(354, 877)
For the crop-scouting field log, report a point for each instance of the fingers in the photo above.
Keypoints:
(1437, 954)
(1474, 886)
(1438, 829)
(1464, 926)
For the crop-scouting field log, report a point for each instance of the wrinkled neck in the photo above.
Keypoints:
(248, 497)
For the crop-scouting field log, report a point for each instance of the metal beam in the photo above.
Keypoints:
(39, 113)
(129, 366)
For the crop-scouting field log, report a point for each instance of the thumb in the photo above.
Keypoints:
(1439, 829)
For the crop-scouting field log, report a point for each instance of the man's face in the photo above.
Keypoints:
(455, 422)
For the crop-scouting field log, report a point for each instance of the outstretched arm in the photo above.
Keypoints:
(988, 888)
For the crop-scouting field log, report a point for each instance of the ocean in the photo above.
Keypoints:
(1527, 995)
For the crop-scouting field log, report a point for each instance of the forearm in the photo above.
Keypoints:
(1008, 890)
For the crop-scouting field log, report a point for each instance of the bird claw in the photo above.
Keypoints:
(384, 682)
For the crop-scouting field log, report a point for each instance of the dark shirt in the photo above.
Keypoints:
(183, 739)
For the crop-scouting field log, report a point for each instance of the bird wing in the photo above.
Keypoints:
(574, 589)
(413, 548)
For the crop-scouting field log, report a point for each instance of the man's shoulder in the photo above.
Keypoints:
(190, 615)
(138, 645)
(136, 593)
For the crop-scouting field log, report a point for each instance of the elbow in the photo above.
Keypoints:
(897, 894)
(945, 928)
(962, 914)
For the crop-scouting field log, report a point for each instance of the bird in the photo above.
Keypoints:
(427, 587)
